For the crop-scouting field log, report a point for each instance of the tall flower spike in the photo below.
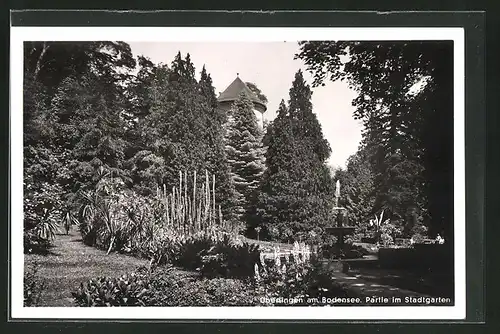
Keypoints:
(256, 270)
(277, 261)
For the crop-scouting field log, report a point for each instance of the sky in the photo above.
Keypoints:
(270, 65)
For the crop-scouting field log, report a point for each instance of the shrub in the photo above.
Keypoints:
(215, 254)
(418, 238)
(128, 290)
(171, 288)
(188, 254)
(288, 280)
(167, 286)
(164, 287)
(42, 201)
(386, 239)
(228, 292)
(34, 244)
(229, 258)
(34, 285)
(296, 278)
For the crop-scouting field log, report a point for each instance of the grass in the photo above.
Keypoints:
(70, 263)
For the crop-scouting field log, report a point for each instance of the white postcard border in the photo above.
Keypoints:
(231, 34)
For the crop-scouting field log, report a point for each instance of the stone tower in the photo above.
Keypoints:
(228, 96)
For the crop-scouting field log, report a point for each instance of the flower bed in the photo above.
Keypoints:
(164, 287)
(298, 277)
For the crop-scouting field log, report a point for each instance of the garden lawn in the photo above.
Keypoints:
(70, 263)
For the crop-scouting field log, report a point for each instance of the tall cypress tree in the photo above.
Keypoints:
(306, 126)
(295, 194)
(273, 201)
(176, 127)
(245, 152)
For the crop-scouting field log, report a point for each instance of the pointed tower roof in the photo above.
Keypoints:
(233, 91)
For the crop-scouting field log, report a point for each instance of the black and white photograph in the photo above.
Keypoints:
(240, 173)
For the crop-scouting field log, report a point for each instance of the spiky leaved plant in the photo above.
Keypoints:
(46, 228)
(68, 219)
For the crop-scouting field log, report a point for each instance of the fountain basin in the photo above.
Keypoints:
(336, 229)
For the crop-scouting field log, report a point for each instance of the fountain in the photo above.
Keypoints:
(340, 231)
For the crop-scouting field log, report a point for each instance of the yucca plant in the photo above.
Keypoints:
(103, 220)
(170, 227)
(377, 223)
(87, 220)
(68, 220)
(47, 226)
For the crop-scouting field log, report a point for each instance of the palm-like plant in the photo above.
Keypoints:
(110, 219)
(378, 222)
(87, 216)
(96, 214)
(47, 226)
(68, 219)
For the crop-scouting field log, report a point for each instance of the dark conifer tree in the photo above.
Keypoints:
(296, 192)
(217, 162)
(245, 152)
(182, 131)
(175, 128)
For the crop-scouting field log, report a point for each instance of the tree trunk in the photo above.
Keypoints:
(45, 47)
(111, 245)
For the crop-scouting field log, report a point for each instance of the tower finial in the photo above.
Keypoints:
(237, 74)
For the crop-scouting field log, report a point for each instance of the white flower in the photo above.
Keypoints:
(287, 257)
(256, 269)
(277, 261)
